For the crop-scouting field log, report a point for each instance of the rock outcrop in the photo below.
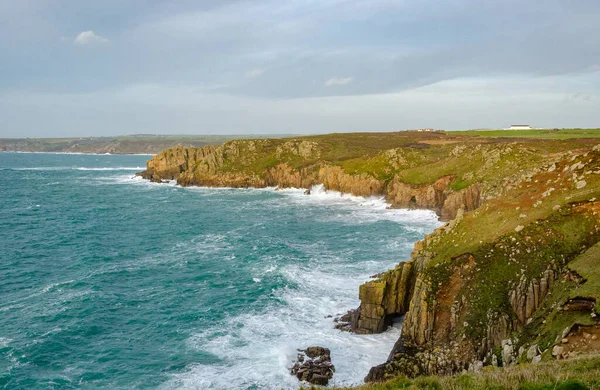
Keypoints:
(314, 366)
(527, 296)
(442, 332)
(334, 178)
(382, 300)
(437, 196)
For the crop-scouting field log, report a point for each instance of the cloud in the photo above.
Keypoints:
(164, 108)
(254, 73)
(87, 37)
(338, 81)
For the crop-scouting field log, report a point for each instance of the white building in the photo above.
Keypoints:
(520, 127)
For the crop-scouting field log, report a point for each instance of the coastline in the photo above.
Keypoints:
(482, 188)
(81, 153)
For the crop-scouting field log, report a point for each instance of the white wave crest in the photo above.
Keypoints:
(111, 169)
(55, 285)
(363, 209)
(4, 342)
(257, 349)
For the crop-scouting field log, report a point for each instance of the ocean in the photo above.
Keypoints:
(107, 280)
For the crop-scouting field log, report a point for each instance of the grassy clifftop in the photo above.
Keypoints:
(576, 374)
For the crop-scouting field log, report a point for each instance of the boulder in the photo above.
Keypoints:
(532, 352)
(313, 365)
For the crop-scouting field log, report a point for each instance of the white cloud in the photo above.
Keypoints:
(338, 81)
(254, 73)
(87, 37)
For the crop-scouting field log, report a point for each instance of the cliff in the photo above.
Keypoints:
(427, 171)
(494, 282)
(497, 282)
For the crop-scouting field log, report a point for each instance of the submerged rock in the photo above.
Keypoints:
(314, 366)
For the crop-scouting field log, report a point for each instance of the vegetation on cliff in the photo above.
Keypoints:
(575, 374)
(510, 278)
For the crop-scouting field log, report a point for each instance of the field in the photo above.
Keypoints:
(535, 133)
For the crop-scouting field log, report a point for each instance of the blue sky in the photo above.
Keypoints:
(77, 68)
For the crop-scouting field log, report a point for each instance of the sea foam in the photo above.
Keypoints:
(257, 349)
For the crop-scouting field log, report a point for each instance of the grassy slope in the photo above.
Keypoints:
(418, 158)
(355, 152)
(541, 133)
(582, 373)
(553, 230)
(588, 266)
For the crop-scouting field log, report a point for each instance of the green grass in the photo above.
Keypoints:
(557, 238)
(580, 373)
(541, 133)
(588, 266)
(547, 324)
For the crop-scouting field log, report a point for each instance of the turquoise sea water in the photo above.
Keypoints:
(109, 281)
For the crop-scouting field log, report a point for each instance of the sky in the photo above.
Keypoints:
(93, 68)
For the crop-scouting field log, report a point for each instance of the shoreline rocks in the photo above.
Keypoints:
(314, 366)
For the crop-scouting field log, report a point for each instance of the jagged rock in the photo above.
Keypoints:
(314, 366)
(527, 296)
(532, 352)
(437, 196)
(381, 300)
(507, 352)
(334, 178)
(494, 360)
(476, 366)
(466, 199)
(536, 359)
(557, 351)
(305, 149)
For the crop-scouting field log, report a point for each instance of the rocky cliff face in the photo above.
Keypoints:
(334, 178)
(490, 304)
(437, 334)
(437, 196)
(234, 164)
(382, 301)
